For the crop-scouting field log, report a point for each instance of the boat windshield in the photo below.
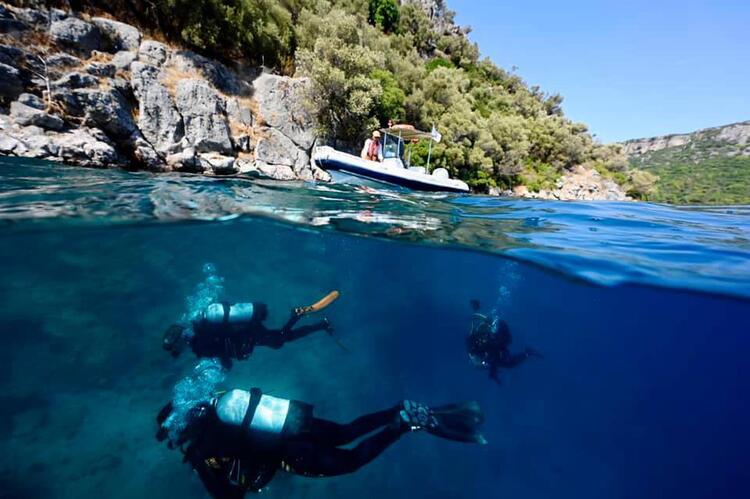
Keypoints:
(393, 147)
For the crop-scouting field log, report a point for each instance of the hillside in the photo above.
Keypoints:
(710, 166)
(357, 64)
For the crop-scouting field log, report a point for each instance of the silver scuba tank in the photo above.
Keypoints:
(217, 314)
(269, 413)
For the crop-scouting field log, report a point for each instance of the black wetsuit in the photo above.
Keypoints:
(491, 349)
(231, 462)
(229, 341)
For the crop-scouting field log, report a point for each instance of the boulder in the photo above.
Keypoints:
(276, 172)
(87, 147)
(281, 105)
(9, 55)
(10, 82)
(61, 60)
(76, 34)
(75, 80)
(158, 117)
(275, 148)
(106, 110)
(101, 69)
(220, 165)
(31, 17)
(32, 100)
(123, 59)
(202, 110)
(24, 115)
(120, 36)
(219, 75)
(152, 52)
(10, 145)
(186, 161)
(145, 154)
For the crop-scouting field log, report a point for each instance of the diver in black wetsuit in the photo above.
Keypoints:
(232, 330)
(240, 439)
(488, 344)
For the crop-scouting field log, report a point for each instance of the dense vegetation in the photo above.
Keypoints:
(706, 170)
(374, 60)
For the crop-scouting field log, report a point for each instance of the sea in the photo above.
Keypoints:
(641, 313)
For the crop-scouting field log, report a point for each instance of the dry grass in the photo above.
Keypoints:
(97, 56)
(171, 77)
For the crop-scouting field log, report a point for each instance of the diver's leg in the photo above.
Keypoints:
(335, 434)
(320, 460)
(513, 360)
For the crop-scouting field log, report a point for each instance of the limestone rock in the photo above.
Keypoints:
(26, 115)
(276, 172)
(123, 59)
(107, 110)
(76, 34)
(9, 55)
(9, 144)
(215, 72)
(61, 60)
(185, 160)
(101, 69)
(10, 82)
(76, 80)
(275, 148)
(144, 154)
(121, 36)
(31, 100)
(202, 110)
(158, 117)
(153, 52)
(281, 105)
(87, 147)
(220, 165)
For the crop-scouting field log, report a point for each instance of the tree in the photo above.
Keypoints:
(384, 14)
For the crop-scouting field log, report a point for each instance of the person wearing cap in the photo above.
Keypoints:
(373, 149)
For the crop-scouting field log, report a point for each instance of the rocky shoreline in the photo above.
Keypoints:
(96, 92)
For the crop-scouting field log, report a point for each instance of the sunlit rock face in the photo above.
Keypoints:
(127, 101)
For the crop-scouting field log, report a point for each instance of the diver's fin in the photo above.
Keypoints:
(475, 305)
(319, 305)
(460, 422)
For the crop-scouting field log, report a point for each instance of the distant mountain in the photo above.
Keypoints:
(710, 166)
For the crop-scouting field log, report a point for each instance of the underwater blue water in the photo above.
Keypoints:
(642, 313)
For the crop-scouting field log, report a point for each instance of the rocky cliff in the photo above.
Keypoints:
(733, 140)
(710, 166)
(97, 92)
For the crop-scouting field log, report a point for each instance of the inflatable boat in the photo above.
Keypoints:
(394, 170)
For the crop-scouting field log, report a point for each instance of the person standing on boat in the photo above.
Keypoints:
(373, 149)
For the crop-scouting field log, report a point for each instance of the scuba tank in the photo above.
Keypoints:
(253, 411)
(227, 314)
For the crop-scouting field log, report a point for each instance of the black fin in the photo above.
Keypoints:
(475, 305)
(460, 422)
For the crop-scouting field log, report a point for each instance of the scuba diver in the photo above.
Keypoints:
(488, 344)
(237, 440)
(232, 330)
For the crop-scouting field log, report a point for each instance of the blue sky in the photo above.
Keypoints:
(628, 69)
